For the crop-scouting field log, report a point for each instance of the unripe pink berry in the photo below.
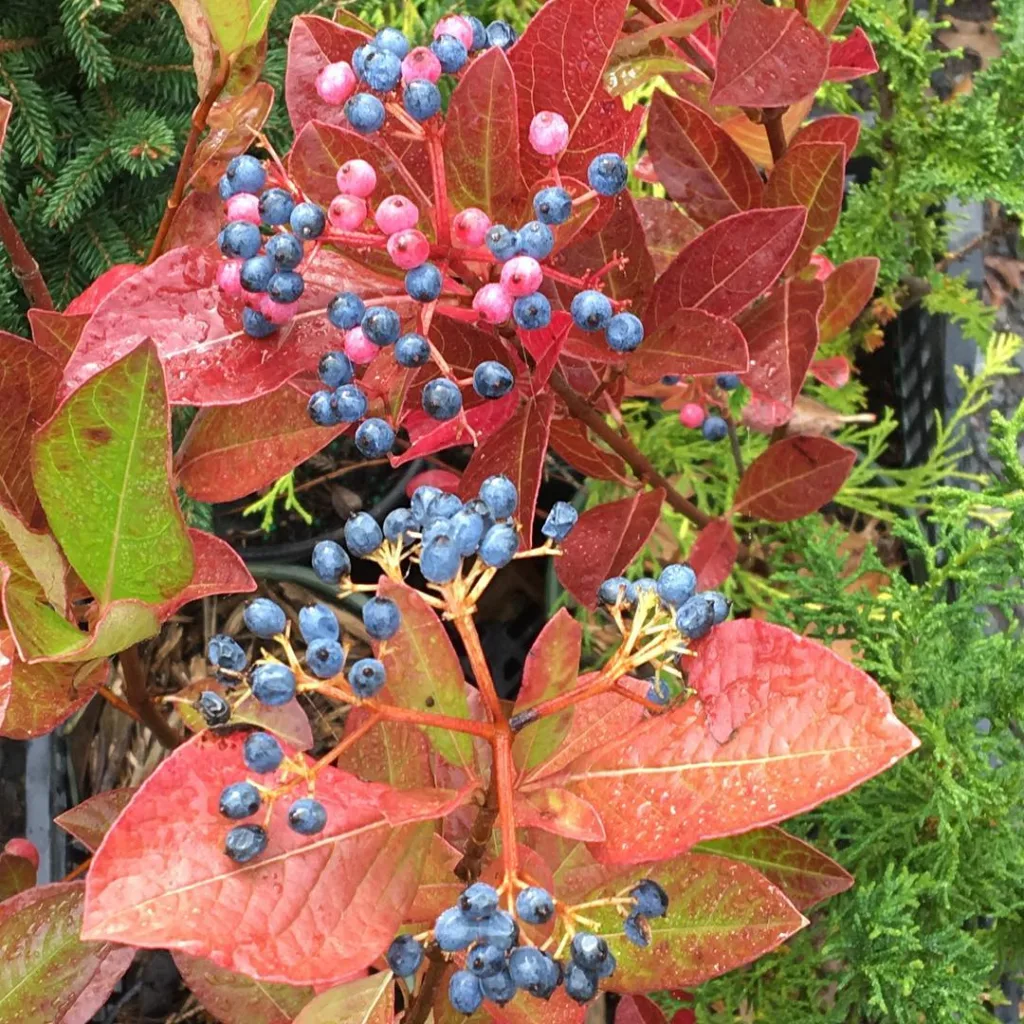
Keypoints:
(244, 207)
(470, 227)
(421, 63)
(691, 415)
(458, 26)
(396, 213)
(24, 848)
(358, 346)
(346, 213)
(336, 83)
(549, 133)
(356, 178)
(493, 303)
(522, 275)
(229, 278)
(277, 312)
(408, 248)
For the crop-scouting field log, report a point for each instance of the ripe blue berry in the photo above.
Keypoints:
(246, 174)
(500, 33)
(359, 56)
(245, 842)
(374, 438)
(382, 71)
(264, 618)
(307, 816)
(213, 707)
(286, 286)
(561, 519)
(423, 499)
(405, 955)
(362, 534)
(500, 496)
(350, 403)
(307, 220)
(607, 174)
(256, 273)
(412, 350)
(442, 399)
(502, 241)
(273, 684)
(478, 901)
(453, 930)
(613, 591)
(224, 652)
(528, 968)
(436, 529)
(345, 311)
(695, 617)
(728, 381)
(659, 692)
(588, 950)
(240, 239)
(367, 677)
(381, 618)
(535, 906)
(479, 33)
(397, 523)
(531, 312)
(485, 961)
(422, 99)
(644, 585)
(671, 379)
(720, 605)
(335, 369)
(381, 325)
(285, 250)
(536, 240)
(591, 310)
(552, 205)
(624, 332)
(365, 113)
(322, 410)
(677, 584)
(450, 52)
(262, 753)
(464, 992)
(325, 658)
(440, 560)
(467, 531)
(499, 929)
(255, 324)
(492, 380)
(423, 283)
(224, 188)
(607, 969)
(637, 931)
(239, 800)
(499, 545)
(651, 899)
(580, 984)
(393, 41)
(714, 428)
(330, 561)
(276, 206)
(499, 988)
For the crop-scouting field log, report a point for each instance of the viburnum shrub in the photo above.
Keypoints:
(436, 275)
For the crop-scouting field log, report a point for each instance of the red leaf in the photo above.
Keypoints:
(782, 337)
(769, 57)
(778, 724)
(638, 1010)
(427, 435)
(604, 541)
(804, 874)
(546, 345)
(714, 554)
(559, 811)
(232, 450)
(842, 128)
(666, 228)
(848, 289)
(17, 873)
(833, 372)
(444, 479)
(516, 449)
(197, 222)
(56, 334)
(571, 440)
(439, 888)
(232, 122)
(92, 819)
(809, 175)
(728, 265)
(698, 163)
(689, 341)
(310, 910)
(793, 478)
(88, 302)
(218, 570)
(390, 753)
(851, 58)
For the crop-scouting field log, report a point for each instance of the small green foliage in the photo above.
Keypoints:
(283, 490)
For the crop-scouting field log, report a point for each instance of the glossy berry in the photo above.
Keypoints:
(277, 312)
(580, 984)
(536, 240)
(356, 178)
(285, 250)
(528, 967)
(607, 969)
(346, 213)
(493, 304)
(498, 546)
(445, 505)
(485, 961)
(720, 605)
(501, 34)
(470, 227)
(405, 955)
(479, 33)
(535, 905)
(560, 521)
(330, 561)
(624, 332)
(256, 273)
(367, 677)
(285, 286)
(464, 992)
(245, 842)
(521, 275)
(224, 652)
(381, 325)
(607, 174)
(382, 71)
(421, 64)
(362, 534)
(442, 399)
(695, 617)
(591, 310)
(613, 591)
(423, 499)
(498, 929)
(500, 496)
(677, 584)
(450, 53)
(492, 380)
(397, 523)
(307, 816)
(651, 899)
(381, 618)
(396, 213)
(229, 278)
(273, 684)
(358, 347)
(374, 438)
(335, 369)
(478, 901)
(276, 206)
(224, 188)
(307, 221)
(336, 82)
(455, 25)
(453, 930)
(500, 988)
(246, 174)
(240, 239)
(588, 950)
(239, 800)
(350, 403)
(715, 428)
(213, 707)
(467, 531)
(325, 658)
(412, 350)
(262, 753)
(408, 249)
(365, 113)
(532, 312)
(424, 283)
(421, 99)
(321, 409)
(243, 206)
(502, 241)
(728, 381)
(264, 618)
(392, 41)
(549, 133)
(440, 560)
(644, 585)
(659, 692)
(345, 311)
(552, 205)
(637, 931)
(691, 415)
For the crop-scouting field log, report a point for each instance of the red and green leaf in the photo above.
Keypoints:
(666, 229)
(56, 334)
(689, 341)
(848, 289)
(851, 58)
(92, 819)
(842, 128)
(218, 570)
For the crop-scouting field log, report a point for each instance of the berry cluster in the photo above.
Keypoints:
(694, 415)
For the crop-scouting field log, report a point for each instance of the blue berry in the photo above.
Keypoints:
(307, 221)
(335, 369)
(536, 240)
(286, 286)
(255, 324)
(397, 523)
(644, 585)
(478, 901)
(374, 438)
(224, 652)
(450, 52)
(500, 988)
(256, 273)
(677, 584)
(245, 842)
(637, 931)
(467, 531)
(423, 283)
(485, 961)
(412, 350)
(453, 930)
(561, 519)
(381, 325)
(382, 71)
(591, 310)
(535, 906)
(580, 984)
(500, 33)
(264, 617)
(365, 113)
(367, 677)
(499, 929)
(240, 239)
(651, 899)
(607, 969)
(671, 379)
(492, 380)
(500, 496)
(276, 206)
(528, 967)
(262, 753)
(624, 332)
(502, 241)
(659, 692)
(588, 950)
(440, 560)
(479, 33)
(714, 428)
(552, 205)
(359, 56)
(405, 955)
(499, 545)
(307, 816)
(393, 41)
(246, 174)
(381, 618)
(423, 499)
(464, 992)
(442, 399)
(330, 561)
(613, 591)
(273, 684)
(436, 529)
(695, 617)
(239, 800)
(213, 707)
(720, 605)
(224, 188)
(285, 250)
(532, 312)
(728, 381)
(325, 658)
(422, 99)
(362, 534)
(607, 174)
(345, 311)
(350, 403)
(318, 622)
(445, 505)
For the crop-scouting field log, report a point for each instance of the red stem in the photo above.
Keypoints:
(442, 226)
(26, 270)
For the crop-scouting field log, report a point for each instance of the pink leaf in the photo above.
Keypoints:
(560, 811)
(851, 58)
(833, 372)
(88, 302)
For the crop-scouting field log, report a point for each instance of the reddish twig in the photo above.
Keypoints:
(26, 270)
(772, 122)
(138, 697)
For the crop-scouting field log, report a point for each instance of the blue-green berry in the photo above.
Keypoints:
(467, 531)
(393, 41)
(695, 617)
(318, 622)
(560, 521)
(499, 545)
(240, 239)
(262, 753)
(365, 113)
(374, 438)
(255, 324)
(381, 618)
(714, 428)
(536, 239)
(450, 52)
(335, 369)
(637, 931)
(421, 99)
(501, 34)
(464, 992)
(607, 174)
(246, 174)
(478, 901)
(479, 33)
(591, 310)
(256, 273)
(325, 658)
(350, 403)
(677, 584)
(213, 707)
(381, 325)
(224, 652)
(286, 286)
(382, 71)
(534, 905)
(412, 350)
(453, 930)
(440, 559)
(499, 988)
(485, 961)
(397, 524)
(423, 283)
(322, 410)
(502, 241)
(624, 332)
(285, 250)
(276, 206)
(728, 381)
(405, 955)
(614, 591)
(330, 561)
(500, 496)
(651, 899)
(345, 311)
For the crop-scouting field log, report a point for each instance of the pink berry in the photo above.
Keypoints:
(493, 303)
(229, 278)
(470, 227)
(358, 346)
(336, 82)
(356, 178)
(244, 207)
(522, 275)
(421, 63)
(408, 248)
(458, 26)
(346, 213)
(23, 848)
(277, 312)
(549, 133)
(396, 213)
(691, 415)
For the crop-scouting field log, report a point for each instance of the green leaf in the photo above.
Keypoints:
(367, 1001)
(258, 18)
(229, 23)
(101, 467)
